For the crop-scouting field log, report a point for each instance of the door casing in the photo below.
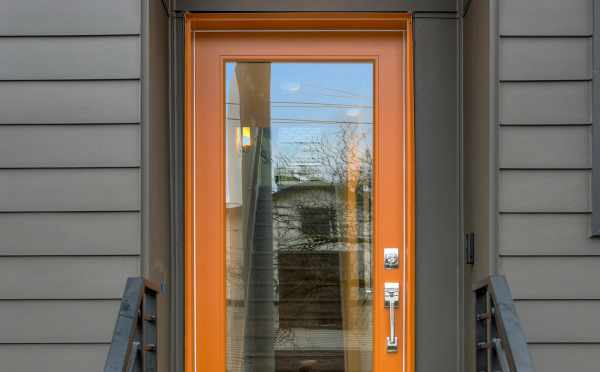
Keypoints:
(204, 349)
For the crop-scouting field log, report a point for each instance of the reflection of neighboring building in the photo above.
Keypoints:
(313, 293)
(312, 216)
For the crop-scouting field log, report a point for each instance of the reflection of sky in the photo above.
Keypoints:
(312, 101)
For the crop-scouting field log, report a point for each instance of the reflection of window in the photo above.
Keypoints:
(318, 222)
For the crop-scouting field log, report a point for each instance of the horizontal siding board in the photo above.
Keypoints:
(545, 58)
(560, 321)
(56, 58)
(563, 102)
(544, 191)
(70, 17)
(545, 147)
(48, 190)
(48, 234)
(66, 321)
(566, 357)
(552, 277)
(546, 17)
(65, 277)
(53, 357)
(66, 102)
(23, 146)
(546, 234)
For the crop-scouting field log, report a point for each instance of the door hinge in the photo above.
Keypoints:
(470, 248)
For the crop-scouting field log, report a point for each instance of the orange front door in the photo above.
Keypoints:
(299, 193)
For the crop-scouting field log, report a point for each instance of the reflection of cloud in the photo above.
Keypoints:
(354, 112)
(291, 87)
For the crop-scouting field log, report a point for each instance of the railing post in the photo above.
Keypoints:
(500, 341)
(134, 342)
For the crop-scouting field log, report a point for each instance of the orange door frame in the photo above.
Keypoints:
(206, 52)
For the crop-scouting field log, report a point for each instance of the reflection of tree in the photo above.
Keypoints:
(311, 206)
(335, 154)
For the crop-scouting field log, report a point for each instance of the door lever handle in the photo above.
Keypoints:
(391, 294)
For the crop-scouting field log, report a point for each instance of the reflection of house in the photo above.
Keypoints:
(311, 217)
(315, 288)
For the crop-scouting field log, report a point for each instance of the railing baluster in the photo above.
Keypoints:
(149, 331)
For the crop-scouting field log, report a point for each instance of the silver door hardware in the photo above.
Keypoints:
(391, 295)
(391, 260)
(391, 292)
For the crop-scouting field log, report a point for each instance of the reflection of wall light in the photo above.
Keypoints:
(243, 138)
(246, 137)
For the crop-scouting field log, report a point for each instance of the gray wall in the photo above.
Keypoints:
(479, 162)
(449, 6)
(156, 263)
(70, 178)
(543, 187)
(439, 263)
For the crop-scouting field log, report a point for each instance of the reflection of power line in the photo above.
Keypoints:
(309, 121)
(321, 103)
(319, 122)
(298, 142)
(334, 92)
(310, 104)
(301, 107)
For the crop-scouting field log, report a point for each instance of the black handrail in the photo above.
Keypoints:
(133, 345)
(501, 343)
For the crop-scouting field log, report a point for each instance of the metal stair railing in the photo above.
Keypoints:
(500, 341)
(133, 346)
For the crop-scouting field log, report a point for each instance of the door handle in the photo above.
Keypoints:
(391, 295)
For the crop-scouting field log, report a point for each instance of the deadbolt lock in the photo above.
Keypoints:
(391, 259)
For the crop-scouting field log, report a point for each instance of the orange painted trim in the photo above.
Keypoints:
(189, 216)
(410, 198)
(298, 21)
(211, 356)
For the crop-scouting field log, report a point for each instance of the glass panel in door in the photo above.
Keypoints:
(299, 174)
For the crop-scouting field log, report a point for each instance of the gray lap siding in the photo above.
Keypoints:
(544, 184)
(70, 189)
